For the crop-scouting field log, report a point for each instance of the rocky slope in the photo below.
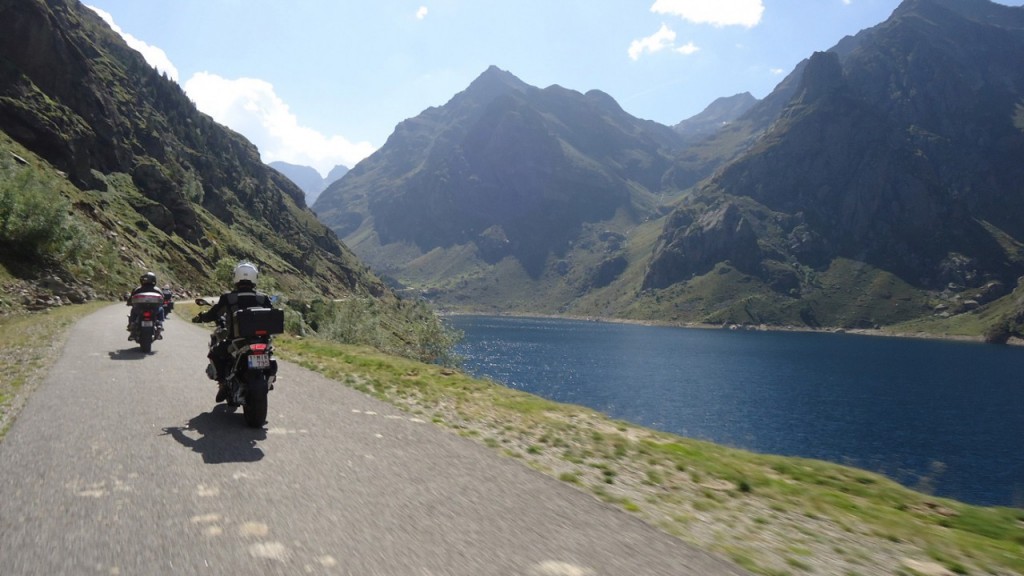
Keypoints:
(172, 190)
(901, 153)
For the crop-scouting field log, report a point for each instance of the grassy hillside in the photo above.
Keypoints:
(101, 238)
(49, 226)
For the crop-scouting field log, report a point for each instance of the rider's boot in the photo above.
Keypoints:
(222, 391)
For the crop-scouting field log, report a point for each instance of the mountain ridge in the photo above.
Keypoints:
(863, 158)
(308, 178)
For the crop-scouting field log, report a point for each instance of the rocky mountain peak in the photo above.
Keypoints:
(603, 100)
(822, 77)
(493, 82)
(981, 11)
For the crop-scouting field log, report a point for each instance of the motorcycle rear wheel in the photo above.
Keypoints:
(146, 340)
(256, 389)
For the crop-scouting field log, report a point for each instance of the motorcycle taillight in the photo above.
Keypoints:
(258, 348)
(147, 314)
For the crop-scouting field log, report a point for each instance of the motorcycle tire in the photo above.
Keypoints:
(146, 340)
(256, 389)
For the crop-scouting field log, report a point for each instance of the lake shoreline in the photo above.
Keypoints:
(877, 332)
(792, 392)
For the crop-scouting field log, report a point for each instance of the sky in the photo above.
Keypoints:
(324, 82)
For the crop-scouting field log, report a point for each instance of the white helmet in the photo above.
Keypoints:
(246, 272)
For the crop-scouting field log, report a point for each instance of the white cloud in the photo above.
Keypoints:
(251, 107)
(687, 49)
(156, 57)
(663, 39)
(715, 12)
(421, 13)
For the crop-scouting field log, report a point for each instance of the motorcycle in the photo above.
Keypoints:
(251, 368)
(168, 301)
(145, 324)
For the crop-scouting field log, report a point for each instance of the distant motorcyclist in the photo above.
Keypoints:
(147, 283)
(168, 294)
(242, 297)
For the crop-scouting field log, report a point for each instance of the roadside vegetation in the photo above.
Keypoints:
(409, 329)
(40, 231)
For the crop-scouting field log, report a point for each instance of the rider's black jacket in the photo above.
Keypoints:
(237, 299)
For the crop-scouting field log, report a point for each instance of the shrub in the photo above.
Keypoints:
(34, 220)
(408, 329)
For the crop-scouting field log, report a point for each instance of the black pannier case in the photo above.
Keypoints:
(258, 322)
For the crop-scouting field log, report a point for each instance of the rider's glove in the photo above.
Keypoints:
(197, 319)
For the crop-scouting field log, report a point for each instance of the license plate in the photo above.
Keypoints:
(147, 323)
(259, 361)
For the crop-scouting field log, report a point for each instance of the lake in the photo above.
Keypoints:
(937, 415)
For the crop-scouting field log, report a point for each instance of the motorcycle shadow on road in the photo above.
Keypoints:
(129, 354)
(223, 437)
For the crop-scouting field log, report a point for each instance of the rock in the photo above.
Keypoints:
(716, 236)
(969, 305)
(990, 291)
(493, 244)
(926, 568)
(608, 270)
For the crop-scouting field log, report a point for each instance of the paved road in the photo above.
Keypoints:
(121, 464)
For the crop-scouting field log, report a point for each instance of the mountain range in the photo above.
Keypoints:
(308, 179)
(878, 183)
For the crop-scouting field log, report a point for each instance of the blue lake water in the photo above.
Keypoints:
(948, 411)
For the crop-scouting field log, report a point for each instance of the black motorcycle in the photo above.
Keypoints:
(145, 323)
(251, 370)
(168, 301)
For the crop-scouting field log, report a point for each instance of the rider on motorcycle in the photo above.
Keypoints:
(243, 296)
(147, 283)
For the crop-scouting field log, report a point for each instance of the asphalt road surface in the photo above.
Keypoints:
(121, 464)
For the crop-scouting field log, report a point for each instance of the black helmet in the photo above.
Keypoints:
(148, 278)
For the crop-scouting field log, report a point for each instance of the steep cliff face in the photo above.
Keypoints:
(900, 152)
(72, 92)
(705, 239)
